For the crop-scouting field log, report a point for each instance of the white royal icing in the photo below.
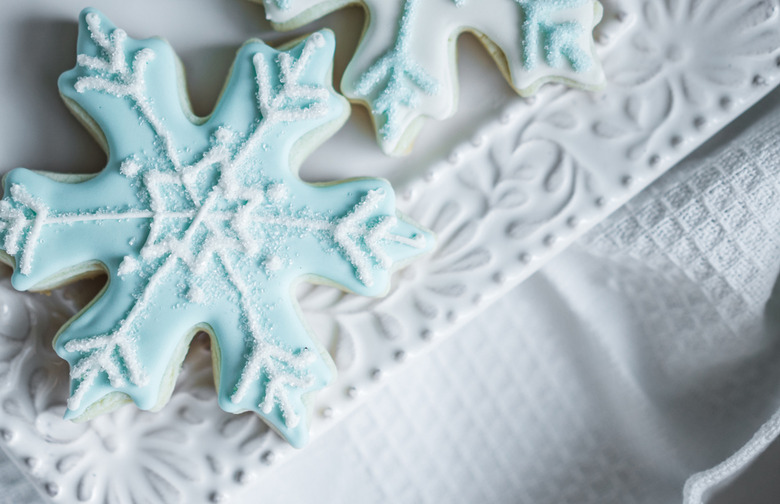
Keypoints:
(404, 68)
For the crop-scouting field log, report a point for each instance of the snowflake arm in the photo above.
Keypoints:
(551, 40)
(270, 378)
(105, 356)
(66, 213)
(391, 81)
(369, 233)
(404, 68)
(201, 225)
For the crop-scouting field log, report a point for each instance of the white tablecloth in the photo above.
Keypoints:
(641, 358)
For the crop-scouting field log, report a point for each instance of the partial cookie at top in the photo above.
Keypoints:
(404, 69)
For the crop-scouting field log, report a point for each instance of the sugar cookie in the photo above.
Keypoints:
(405, 66)
(201, 225)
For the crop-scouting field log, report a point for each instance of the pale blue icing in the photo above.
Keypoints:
(389, 81)
(233, 271)
(560, 41)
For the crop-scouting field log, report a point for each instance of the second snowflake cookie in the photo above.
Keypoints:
(405, 67)
(201, 225)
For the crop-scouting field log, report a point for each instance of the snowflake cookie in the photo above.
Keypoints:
(201, 225)
(405, 67)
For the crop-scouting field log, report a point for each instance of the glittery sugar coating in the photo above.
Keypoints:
(559, 40)
(201, 225)
(404, 68)
(393, 77)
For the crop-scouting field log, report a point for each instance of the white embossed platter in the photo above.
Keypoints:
(506, 184)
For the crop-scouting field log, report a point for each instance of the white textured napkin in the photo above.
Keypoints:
(640, 359)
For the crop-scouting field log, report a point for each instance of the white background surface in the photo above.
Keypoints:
(37, 43)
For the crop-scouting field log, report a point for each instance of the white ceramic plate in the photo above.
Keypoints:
(506, 184)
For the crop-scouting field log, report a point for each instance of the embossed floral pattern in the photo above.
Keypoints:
(686, 51)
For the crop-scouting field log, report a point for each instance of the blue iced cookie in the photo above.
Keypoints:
(201, 224)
